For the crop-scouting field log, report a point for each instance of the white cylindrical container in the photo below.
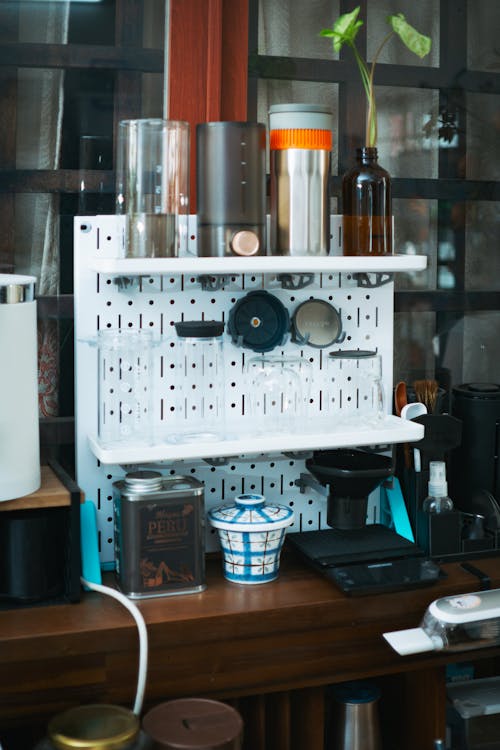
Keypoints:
(19, 426)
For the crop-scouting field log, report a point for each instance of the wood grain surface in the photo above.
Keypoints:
(286, 640)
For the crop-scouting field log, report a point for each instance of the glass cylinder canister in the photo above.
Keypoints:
(367, 207)
(300, 156)
(159, 534)
(199, 381)
(125, 386)
(354, 393)
(231, 188)
(152, 186)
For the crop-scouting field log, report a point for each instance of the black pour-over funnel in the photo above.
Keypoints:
(350, 476)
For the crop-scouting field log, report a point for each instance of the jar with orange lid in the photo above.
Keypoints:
(300, 139)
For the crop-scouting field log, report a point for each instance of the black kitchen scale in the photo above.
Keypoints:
(359, 558)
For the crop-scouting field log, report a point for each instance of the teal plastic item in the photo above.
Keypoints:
(91, 569)
(393, 511)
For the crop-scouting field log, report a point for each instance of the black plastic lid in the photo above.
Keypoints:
(352, 354)
(356, 692)
(258, 321)
(203, 329)
(478, 390)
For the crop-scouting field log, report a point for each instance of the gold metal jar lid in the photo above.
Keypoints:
(93, 727)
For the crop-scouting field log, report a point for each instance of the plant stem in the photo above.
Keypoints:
(363, 69)
(371, 116)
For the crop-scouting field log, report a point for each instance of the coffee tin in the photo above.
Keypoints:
(159, 534)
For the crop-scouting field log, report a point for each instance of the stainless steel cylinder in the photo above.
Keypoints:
(231, 188)
(355, 718)
(300, 146)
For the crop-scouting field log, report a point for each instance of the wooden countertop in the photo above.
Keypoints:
(51, 494)
(230, 640)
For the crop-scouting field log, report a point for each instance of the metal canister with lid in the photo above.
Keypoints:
(300, 141)
(159, 534)
(231, 188)
(96, 726)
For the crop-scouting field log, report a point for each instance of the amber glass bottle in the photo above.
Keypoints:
(367, 208)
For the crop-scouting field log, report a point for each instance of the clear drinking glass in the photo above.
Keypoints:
(125, 386)
(278, 392)
(152, 186)
(354, 393)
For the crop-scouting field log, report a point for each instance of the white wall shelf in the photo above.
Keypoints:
(268, 264)
(153, 293)
(391, 430)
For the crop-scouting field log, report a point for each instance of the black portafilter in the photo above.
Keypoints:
(350, 476)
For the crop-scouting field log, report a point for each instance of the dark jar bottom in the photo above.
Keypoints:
(367, 235)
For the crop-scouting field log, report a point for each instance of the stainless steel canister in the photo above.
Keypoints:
(300, 149)
(95, 726)
(159, 534)
(231, 188)
(356, 724)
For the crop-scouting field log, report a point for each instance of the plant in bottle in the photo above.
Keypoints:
(366, 188)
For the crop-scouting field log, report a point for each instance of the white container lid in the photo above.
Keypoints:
(250, 512)
(300, 116)
(15, 288)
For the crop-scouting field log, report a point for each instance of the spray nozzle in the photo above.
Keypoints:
(438, 486)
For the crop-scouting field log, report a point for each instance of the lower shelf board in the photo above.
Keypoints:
(391, 430)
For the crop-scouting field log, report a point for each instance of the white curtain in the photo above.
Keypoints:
(38, 141)
(39, 118)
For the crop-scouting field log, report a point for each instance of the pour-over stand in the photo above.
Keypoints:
(359, 557)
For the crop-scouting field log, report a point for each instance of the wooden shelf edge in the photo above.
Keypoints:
(53, 493)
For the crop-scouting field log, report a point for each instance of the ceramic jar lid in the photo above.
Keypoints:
(250, 512)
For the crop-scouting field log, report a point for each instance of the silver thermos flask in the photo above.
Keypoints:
(300, 140)
(19, 439)
(355, 720)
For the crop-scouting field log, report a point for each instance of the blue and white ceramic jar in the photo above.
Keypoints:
(251, 534)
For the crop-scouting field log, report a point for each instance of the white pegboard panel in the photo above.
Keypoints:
(154, 301)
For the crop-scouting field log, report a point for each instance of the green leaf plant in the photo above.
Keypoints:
(344, 31)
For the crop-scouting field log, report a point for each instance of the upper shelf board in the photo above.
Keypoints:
(274, 264)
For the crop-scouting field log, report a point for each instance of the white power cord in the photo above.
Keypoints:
(143, 637)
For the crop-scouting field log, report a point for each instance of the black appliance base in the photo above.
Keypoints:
(370, 560)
